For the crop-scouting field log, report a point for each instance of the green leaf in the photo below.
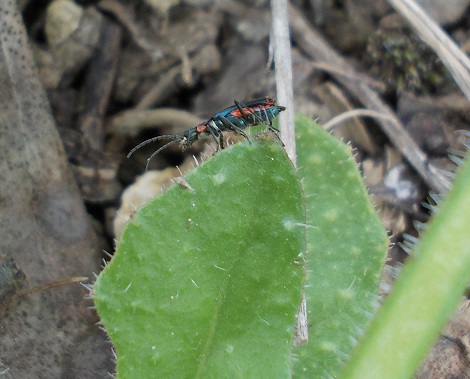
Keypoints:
(424, 295)
(206, 280)
(346, 249)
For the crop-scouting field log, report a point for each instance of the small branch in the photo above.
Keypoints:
(314, 45)
(280, 42)
(342, 117)
(450, 54)
(43, 287)
(131, 122)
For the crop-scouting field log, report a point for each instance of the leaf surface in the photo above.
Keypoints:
(206, 280)
(346, 249)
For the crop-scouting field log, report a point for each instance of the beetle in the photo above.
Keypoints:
(233, 119)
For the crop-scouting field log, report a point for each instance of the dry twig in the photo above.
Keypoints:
(451, 55)
(315, 46)
(280, 41)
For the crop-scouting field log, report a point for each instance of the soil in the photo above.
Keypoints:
(117, 73)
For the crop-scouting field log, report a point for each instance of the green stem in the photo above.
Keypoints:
(425, 294)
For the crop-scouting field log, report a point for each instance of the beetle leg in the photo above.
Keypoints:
(230, 126)
(241, 107)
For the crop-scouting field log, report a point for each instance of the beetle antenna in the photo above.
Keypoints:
(162, 148)
(174, 138)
